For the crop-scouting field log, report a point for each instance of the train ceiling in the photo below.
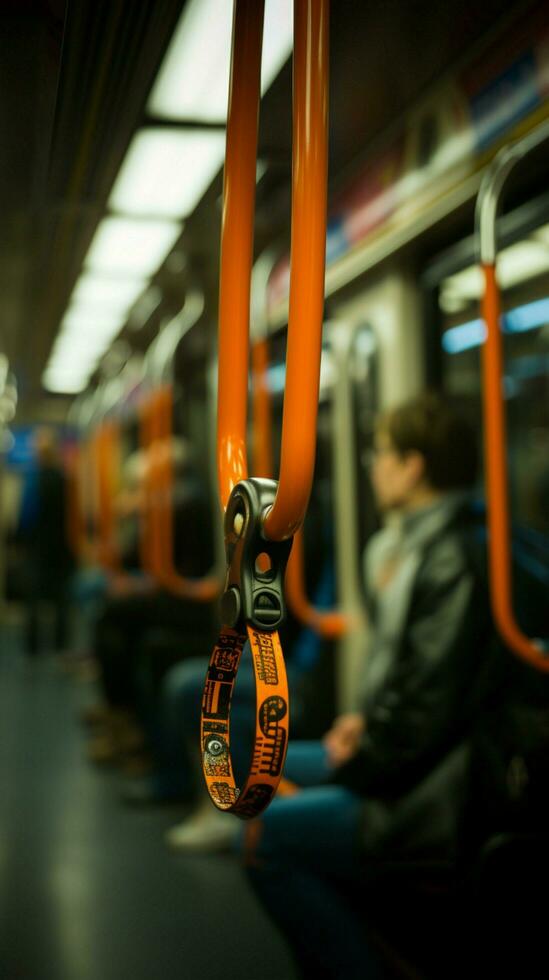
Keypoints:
(76, 80)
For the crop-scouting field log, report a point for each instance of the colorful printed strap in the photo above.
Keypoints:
(271, 724)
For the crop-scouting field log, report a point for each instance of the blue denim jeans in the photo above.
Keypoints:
(307, 853)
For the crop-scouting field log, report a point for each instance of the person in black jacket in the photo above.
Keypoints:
(386, 780)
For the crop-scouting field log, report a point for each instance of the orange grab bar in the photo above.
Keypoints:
(200, 589)
(157, 513)
(91, 474)
(108, 461)
(308, 246)
(146, 537)
(328, 623)
(494, 411)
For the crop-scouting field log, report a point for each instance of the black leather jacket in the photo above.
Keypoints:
(425, 680)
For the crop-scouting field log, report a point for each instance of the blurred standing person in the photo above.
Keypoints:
(43, 529)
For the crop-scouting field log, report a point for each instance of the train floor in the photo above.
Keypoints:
(88, 889)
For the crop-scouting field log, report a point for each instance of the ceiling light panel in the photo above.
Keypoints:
(82, 323)
(193, 82)
(105, 293)
(63, 386)
(131, 246)
(166, 171)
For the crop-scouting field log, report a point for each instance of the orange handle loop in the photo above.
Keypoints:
(146, 523)
(494, 412)
(157, 522)
(328, 623)
(309, 179)
(237, 244)
(200, 589)
(109, 465)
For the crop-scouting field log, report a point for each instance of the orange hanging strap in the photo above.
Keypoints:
(272, 722)
(261, 516)
(495, 437)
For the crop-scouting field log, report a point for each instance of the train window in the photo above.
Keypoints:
(523, 271)
(363, 362)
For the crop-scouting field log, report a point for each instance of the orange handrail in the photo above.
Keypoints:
(203, 589)
(157, 514)
(107, 461)
(328, 623)
(146, 528)
(494, 412)
(309, 179)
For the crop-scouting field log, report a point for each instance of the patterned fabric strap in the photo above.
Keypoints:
(271, 723)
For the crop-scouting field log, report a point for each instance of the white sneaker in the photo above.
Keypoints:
(209, 832)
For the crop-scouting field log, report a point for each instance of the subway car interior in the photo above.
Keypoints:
(274, 643)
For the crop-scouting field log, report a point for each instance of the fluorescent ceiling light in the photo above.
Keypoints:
(66, 369)
(66, 375)
(193, 82)
(105, 293)
(166, 171)
(131, 246)
(83, 319)
(61, 386)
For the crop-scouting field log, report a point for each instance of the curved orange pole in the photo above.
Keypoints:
(309, 179)
(200, 589)
(308, 258)
(146, 521)
(328, 623)
(237, 232)
(496, 481)
(107, 466)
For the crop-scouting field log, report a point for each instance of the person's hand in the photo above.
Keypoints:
(343, 739)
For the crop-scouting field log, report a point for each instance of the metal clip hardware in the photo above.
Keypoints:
(254, 590)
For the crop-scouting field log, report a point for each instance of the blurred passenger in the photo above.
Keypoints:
(137, 609)
(387, 780)
(43, 530)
